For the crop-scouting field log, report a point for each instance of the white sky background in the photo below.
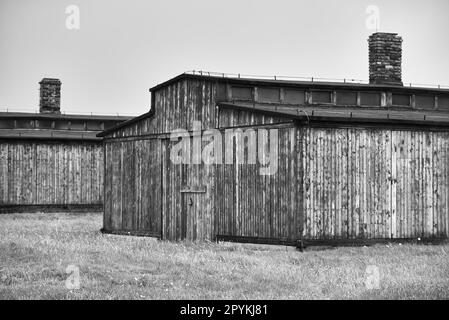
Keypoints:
(125, 47)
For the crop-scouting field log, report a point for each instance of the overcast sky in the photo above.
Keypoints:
(123, 48)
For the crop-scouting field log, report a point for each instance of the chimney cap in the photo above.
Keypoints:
(49, 80)
(387, 33)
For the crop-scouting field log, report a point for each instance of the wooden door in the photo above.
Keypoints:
(193, 215)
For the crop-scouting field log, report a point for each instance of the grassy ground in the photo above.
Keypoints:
(36, 249)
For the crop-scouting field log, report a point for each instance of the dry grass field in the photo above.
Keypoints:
(36, 249)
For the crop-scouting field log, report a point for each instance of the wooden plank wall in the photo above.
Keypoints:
(177, 106)
(350, 183)
(375, 183)
(250, 204)
(182, 182)
(51, 173)
(237, 199)
(133, 186)
(232, 118)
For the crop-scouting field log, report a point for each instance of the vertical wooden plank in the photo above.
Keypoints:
(319, 189)
(3, 172)
(435, 171)
(117, 195)
(376, 155)
(4, 176)
(410, 183)
(308, 171)
(284, 155)
(407, 184)
(38, 182)
(356, 190)
(145, 190)
(23, 174)
(138, 196)
(278, 176)
(300, 212)
(387, 182)
(415, 183)
(108, 163)
(314, 181)
(399, 184)
(369, 190)
(423, 194)
(322, 209)
(330, 141)
(165, 212)
(350, 175)
(303, 156)
(379, 182)
(228, 198)
(294, 208)
(338, 160)
(269, 205)
(363, 183)
(246, 214)
(445, 184)
(325, 186)
(261, 188)
(420, 190)
(345, 182)
(394, 184)
(429, 183)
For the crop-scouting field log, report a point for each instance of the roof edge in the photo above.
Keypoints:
(294, 83)
(126, 123)
(63, 116)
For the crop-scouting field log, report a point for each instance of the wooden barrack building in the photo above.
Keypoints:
(355, 162)
(49, 160)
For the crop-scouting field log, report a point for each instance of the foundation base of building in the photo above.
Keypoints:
(132, 233)
(301, 244)
(51, 208)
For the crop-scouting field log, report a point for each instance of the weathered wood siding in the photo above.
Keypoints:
(51, 173)
(177, 106)
(188, 191)
(133, 186)
(188, 198)
(250, 204)
(330, 183)
(199, 201)
(234, 118)
(203, 200)
(375, 183)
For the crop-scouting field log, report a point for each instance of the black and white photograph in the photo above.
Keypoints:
(224, 155)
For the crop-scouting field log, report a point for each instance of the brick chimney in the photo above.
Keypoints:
(50, 96)
(385, 58)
